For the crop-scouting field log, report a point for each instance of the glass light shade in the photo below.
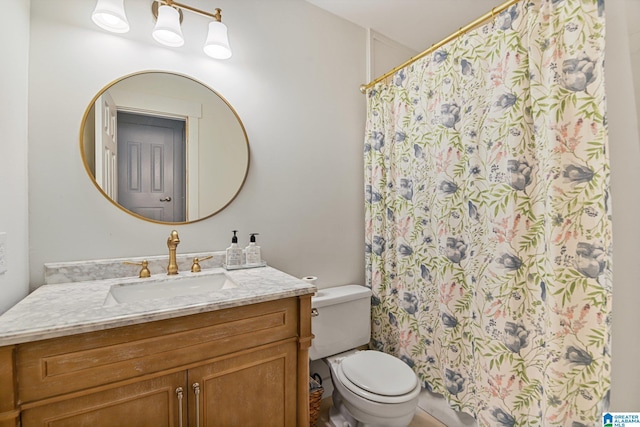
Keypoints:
(217, 44)
(167, 30)
(109, 15)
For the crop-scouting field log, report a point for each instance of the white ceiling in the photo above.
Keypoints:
(416, 24)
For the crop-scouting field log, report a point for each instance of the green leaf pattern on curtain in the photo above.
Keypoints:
(488, 228)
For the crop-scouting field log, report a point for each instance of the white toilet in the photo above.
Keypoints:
(370, 388)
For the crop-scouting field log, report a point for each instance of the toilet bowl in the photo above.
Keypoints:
(370, 388)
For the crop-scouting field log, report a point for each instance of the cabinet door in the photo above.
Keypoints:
(249, 388)
(152, 402)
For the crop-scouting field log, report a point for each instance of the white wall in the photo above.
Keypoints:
(624, 146)
(293, 80)
(14, 284)
(633, 24)
(385, 54)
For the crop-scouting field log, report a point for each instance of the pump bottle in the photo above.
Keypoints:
(252, 251)
(234, 252)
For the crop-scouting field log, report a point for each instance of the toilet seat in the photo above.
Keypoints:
(378, 377)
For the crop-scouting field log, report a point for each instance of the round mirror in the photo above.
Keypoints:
(164, 147)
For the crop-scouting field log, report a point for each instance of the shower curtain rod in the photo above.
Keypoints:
(489, 15)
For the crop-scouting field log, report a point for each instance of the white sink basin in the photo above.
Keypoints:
(153, 289)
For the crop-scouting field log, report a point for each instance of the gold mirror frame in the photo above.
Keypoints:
(87, 128)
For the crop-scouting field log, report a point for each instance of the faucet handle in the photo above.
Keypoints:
(144, 272)
(195, 267)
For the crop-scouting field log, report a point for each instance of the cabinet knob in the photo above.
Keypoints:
(314, 312)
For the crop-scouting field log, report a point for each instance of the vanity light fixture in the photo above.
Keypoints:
(217, 44)
(167, 30)
(110, 15)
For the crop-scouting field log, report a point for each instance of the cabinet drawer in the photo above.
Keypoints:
(62, 365)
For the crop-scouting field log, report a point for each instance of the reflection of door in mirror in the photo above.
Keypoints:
(151, 165)
(216, 159)
(106, 145)
(135, 96)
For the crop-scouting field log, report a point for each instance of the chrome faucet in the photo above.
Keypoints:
(172, 244)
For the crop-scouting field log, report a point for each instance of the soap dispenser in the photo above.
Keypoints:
(252, 252)
(234, 252)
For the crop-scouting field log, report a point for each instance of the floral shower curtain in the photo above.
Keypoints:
(488, 229)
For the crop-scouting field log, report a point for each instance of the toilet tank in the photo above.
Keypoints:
(343, 321)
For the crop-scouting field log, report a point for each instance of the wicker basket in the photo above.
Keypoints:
(315, 397)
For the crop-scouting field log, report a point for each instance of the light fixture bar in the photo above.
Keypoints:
(217, 42)
(217, 16)
(110, 15)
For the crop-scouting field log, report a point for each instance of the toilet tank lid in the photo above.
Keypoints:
(339, 294)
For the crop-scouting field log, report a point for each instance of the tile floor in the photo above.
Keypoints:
(422, 419)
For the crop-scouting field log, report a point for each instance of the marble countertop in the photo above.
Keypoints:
(56, 310)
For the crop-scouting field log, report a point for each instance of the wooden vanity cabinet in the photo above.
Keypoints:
(252, 389)
(9, 414)
(242, 366)
(142, 403)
